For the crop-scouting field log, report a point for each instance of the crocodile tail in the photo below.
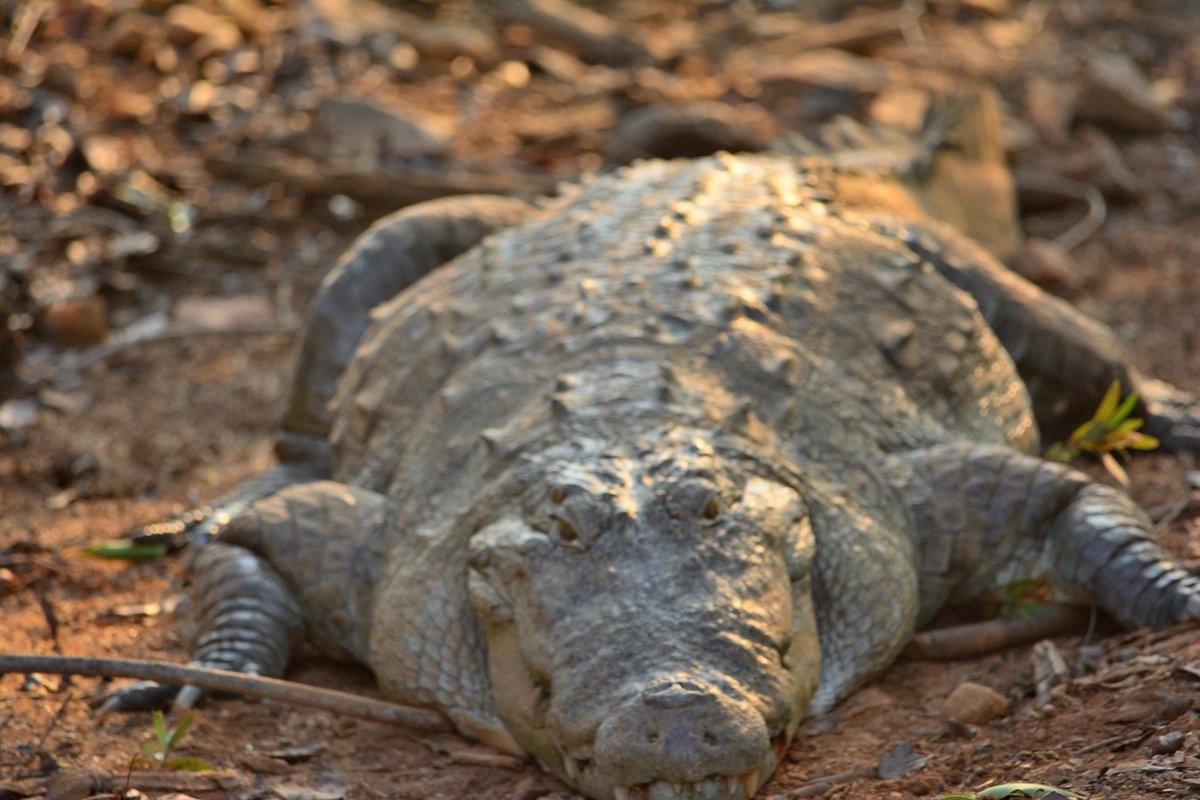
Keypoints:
(953, 167)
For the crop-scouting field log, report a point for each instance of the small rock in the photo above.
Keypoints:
(264, 765)
(1113, 93)
(1167, 743)
(17, 414)
(974, 704)
(76, 785)
(79, 322)
(1136, 709)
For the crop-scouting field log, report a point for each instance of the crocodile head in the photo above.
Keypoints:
(649, 619)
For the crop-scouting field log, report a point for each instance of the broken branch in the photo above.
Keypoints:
(220, 680)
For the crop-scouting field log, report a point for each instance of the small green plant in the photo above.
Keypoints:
(127, 549)
(158, 751)
(1014, 599)
(1110, 430)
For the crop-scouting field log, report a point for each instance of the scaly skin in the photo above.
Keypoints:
(635, 486)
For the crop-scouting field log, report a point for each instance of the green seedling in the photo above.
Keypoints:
(158, 751)
(127, 549)
(1014, 599)
(1110, 430)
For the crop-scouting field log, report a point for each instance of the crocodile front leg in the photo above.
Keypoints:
(304, 561)
(984, 515)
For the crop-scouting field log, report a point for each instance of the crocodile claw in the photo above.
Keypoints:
(140, 696)
(1173, 415)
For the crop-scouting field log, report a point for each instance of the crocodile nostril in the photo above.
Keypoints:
(709, 738)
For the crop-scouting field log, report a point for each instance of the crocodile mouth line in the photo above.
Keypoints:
(577, 769)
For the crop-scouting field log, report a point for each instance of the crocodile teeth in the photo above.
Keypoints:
(571, 768)
(620, 792)
(781, 745)
(750, 782)
(677, 788)
(732, 784)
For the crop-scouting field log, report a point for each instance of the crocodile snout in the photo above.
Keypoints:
(684, 731)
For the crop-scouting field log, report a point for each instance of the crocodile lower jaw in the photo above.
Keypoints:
(715, 787)
(728, 787)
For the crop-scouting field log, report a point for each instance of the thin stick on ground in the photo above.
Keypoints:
(220, 680)
(963, 641)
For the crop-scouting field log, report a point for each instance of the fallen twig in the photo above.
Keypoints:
(1097, 209)
(220, 680)
(819, 786)
(963, 641)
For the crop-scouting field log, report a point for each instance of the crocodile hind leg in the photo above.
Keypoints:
(1066, 359)
(390, 256)
(985, 515)
(264, 584)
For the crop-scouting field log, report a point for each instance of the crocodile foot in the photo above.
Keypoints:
(1173, 415)
(201, 524)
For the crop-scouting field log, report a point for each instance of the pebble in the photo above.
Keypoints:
(974, 704)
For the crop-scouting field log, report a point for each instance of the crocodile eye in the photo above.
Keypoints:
(566, 531)
(692, 498)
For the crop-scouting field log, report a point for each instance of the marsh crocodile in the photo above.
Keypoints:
(634, 481)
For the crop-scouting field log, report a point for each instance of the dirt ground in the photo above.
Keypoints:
(176, 177)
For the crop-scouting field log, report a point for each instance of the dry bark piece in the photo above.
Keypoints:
(1049, 669)
(593, 36)
(688, 130)
(974, 704)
